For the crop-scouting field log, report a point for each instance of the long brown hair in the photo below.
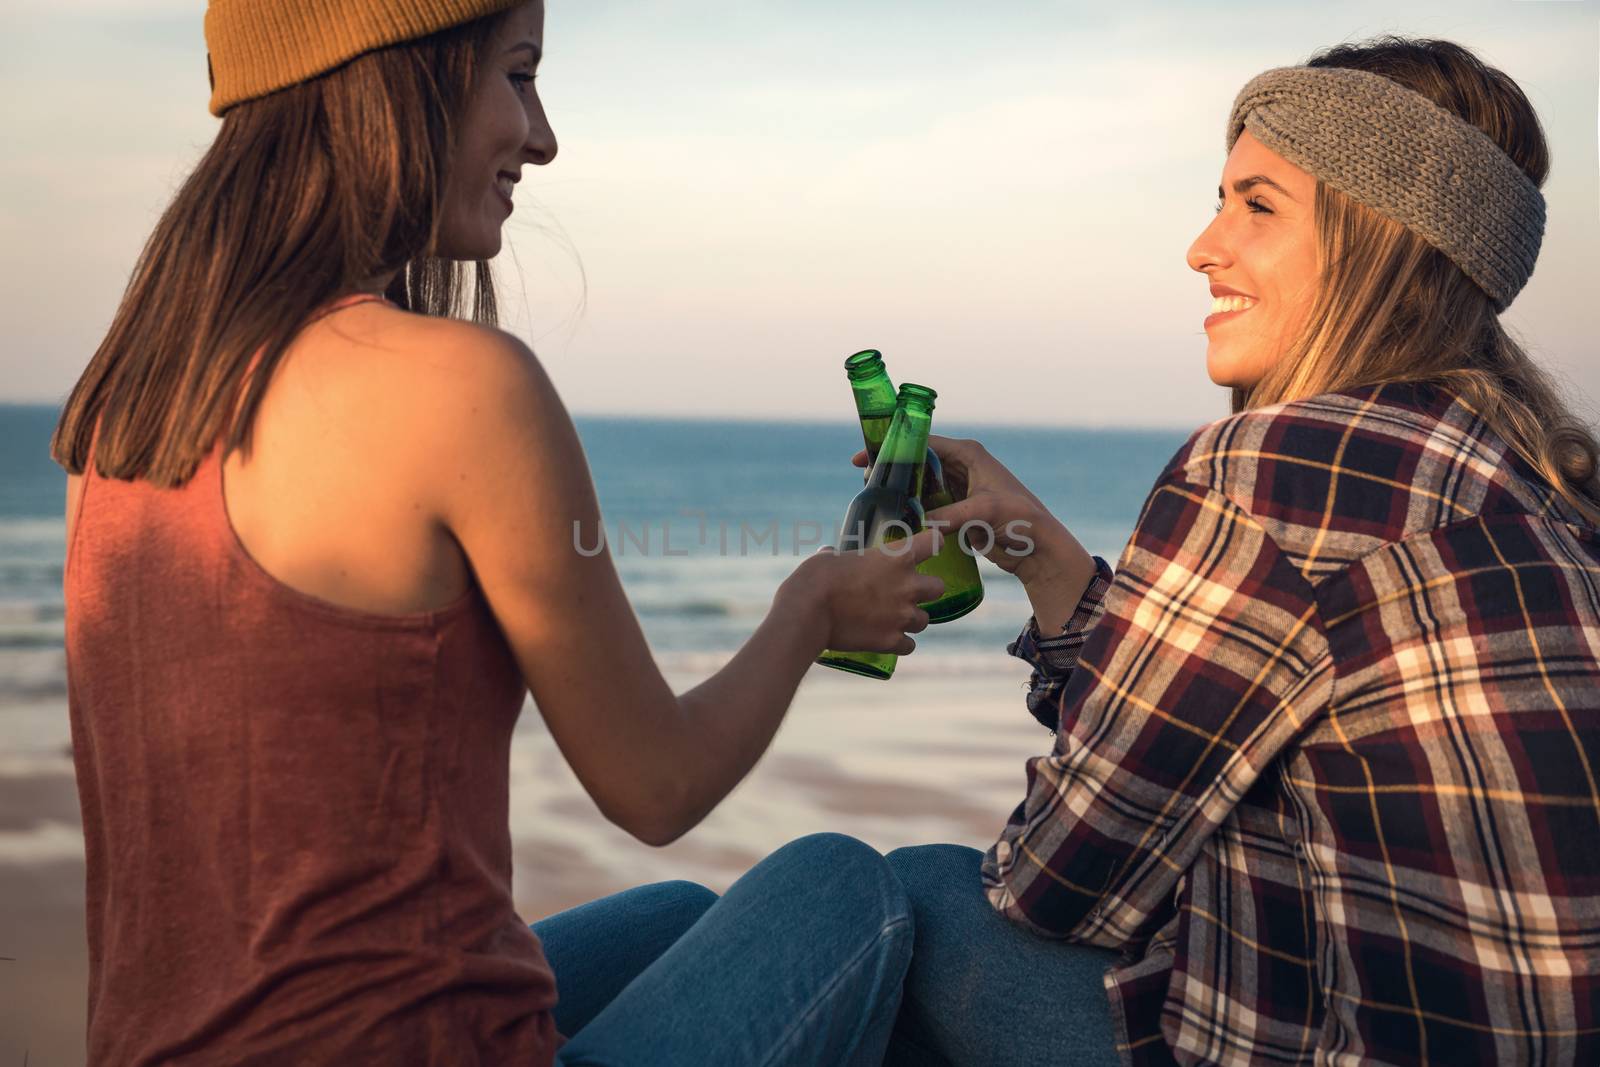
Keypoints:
(1391, 307)
(304, 194)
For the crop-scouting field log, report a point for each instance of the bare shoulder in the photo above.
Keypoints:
(414, 350)
(419, 374)
(459, 401)
(466, 380)
(493, 451)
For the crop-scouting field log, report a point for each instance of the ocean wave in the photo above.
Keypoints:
(33, 531)
(49, 842)
(21, 612)
(21, 640)
(36, 764)
(725, 571)
(27, 673)
(11, 692)
(31, 573)
(692, 609)
(934, 665)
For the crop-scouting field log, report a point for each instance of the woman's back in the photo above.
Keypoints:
(1371, 829)
(292, 696)
(295, 806)
(1443, 808)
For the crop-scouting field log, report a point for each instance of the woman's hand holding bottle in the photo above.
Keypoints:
(1017, 532)
(864, 601)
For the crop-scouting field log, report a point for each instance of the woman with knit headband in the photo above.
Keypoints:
(321, 546)
(1325, 785)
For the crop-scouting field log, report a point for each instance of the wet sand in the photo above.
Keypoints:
(922, 758)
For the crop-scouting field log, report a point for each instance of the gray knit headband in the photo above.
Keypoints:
(1402, 155)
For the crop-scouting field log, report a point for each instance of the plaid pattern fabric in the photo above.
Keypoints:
(1328, 762)
(1054, 657)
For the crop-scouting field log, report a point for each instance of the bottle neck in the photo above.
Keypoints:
(875, 401)
(899, 464)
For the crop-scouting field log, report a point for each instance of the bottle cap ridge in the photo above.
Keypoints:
(864, 364)
(920, 395)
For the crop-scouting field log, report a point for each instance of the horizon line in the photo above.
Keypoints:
(668, 416)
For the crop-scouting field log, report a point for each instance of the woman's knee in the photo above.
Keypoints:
(925, 869)
(833, 852)
(847, 873)
(677, 896)
(655, 911)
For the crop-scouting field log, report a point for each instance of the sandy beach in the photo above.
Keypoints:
(928, 756)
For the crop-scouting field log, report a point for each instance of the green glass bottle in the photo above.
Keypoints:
(888, 508)
(958, 569)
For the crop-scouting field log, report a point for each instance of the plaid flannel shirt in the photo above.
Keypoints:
(1328, 750)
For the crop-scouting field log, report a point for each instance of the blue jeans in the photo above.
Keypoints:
(801, 961)
(983, 990)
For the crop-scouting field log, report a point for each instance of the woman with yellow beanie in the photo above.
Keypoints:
(322, 541)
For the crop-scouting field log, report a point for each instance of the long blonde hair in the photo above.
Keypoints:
(1392, 308)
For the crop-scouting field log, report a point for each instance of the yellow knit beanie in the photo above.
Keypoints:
(257, 47)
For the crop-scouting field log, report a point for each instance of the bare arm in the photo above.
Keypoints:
(512, 486)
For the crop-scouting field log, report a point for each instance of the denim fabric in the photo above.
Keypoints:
(985, 992)
(800, 962)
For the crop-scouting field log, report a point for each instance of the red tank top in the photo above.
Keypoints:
(295, 814)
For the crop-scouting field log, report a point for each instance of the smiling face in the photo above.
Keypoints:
(1262, 244)
(504, 128)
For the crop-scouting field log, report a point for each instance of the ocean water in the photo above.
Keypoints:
(934, 755)
(703, 517)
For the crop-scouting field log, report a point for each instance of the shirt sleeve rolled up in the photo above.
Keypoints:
(1053, 658)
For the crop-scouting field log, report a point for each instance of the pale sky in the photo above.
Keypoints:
(999, 198)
